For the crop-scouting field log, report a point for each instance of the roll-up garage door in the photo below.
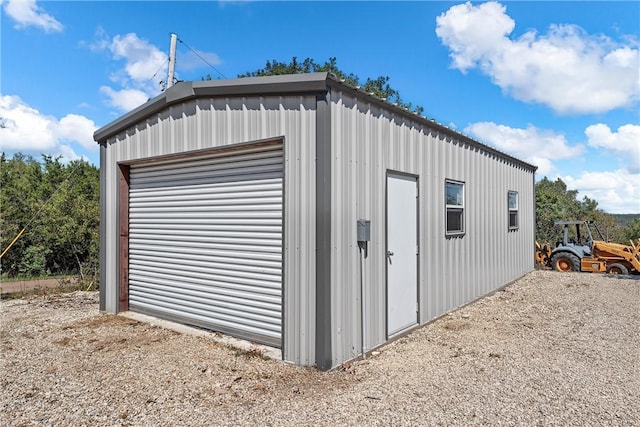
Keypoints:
(205, 242)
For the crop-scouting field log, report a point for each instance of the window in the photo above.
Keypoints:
(513, 210)
(454, 193)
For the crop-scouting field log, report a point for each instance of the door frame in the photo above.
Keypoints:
(393, 173)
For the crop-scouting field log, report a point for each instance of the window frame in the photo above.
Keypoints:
(454, 208)
(511, 210)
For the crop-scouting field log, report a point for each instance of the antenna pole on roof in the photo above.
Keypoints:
(172, 60)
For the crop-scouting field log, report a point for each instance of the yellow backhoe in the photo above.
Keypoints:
(582, 253)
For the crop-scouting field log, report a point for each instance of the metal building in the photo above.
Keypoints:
(234, 205)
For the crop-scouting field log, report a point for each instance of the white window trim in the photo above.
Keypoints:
(516, 210)
(449, 207)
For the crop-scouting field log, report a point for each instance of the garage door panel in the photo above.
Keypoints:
(274, 185)
(246, 161)
(247, 211)
(272, 232)
(219, 303)
(226, 324)
(141, 280)
(207, 215)
(178, 183)
(257, 259)
(272, 229)
(254, 197)
(215, 164)
(213, 276)
(221, 270)
(205, 242)
(259, 198)
(197, 177)
(252, 330)
(261, 300)
(240, 224)
(195, 235)
(219, 263)
(229, 313)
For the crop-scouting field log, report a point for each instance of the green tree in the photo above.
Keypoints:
(21, 185)
(379, 86)
(632, 231)
(58, 206)
(554, 202)
(72, 225)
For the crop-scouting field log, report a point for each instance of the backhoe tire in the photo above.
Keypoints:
(617, 269)
(565, 261)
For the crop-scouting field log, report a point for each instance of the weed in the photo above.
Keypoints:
(253, 352)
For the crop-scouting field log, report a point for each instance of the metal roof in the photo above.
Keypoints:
(275, 85)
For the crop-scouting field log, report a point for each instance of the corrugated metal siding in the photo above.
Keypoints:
(209, 123)
(366, 142)
(205, 242)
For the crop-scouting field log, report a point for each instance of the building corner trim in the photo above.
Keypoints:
(102, 264)
(324, 356)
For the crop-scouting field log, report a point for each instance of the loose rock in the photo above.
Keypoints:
(553, 348)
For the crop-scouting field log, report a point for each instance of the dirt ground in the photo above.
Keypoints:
(17, 288)
(552, 348)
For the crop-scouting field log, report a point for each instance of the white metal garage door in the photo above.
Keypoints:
(205, 242)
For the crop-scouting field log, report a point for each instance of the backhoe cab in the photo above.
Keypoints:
(579, 251)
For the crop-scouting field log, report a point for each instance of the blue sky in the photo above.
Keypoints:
(554, 83)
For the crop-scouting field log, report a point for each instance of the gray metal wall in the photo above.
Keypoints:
(367, 142)
(207, 123)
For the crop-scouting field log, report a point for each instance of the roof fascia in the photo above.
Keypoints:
(332, 82)
(185, 91)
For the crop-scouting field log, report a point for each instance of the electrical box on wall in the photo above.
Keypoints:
(363, 233)
(364, 230)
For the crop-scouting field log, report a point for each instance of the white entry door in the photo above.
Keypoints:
(402, 253)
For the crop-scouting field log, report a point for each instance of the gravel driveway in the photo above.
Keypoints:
(551, 348)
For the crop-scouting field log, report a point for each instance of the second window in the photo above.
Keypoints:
(454, 194)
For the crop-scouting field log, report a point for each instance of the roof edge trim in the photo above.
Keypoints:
(332, 82)
(184, 91)
(277, 85)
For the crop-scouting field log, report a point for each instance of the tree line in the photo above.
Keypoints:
(555, 202)
(58, 206)
(378, 87)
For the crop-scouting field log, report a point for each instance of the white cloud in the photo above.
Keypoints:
(624, 143)
(99, 43)
(565, 69)
(26, 13)
(142, 59)
(615, 191)
(24, 128)
(124, 99)
(142, 69)
(537, 146)
(145, 67)
(67, 154)
(76, 128)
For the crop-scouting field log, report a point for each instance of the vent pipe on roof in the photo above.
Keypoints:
(172, 60)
